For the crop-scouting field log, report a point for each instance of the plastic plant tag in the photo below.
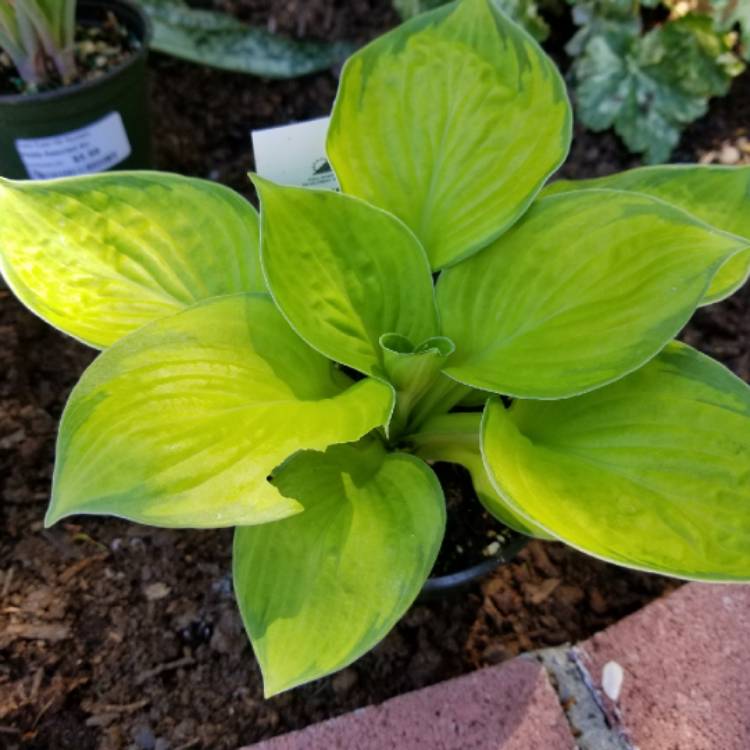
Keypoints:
(295, 155)
(95, 148)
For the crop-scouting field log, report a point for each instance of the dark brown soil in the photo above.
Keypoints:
(98, 50)
(326, 20)
(472, 535)
(114, 635)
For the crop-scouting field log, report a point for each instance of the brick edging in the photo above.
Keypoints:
(673, 676)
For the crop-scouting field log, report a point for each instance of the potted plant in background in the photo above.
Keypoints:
(73, 95)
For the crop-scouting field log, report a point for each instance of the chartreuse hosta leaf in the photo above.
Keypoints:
(453, 121)
(344, 273)
(586, 288)
(652, 472)
(454, 438)
(720, 196)
(181, 423)
(100, 256)
(318, 590)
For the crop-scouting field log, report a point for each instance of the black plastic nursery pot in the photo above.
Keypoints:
(88, 127)
(456, 582)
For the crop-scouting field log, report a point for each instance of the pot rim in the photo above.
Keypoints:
(65, 91)
(454, 581)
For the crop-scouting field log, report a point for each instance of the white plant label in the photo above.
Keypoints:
(94, 148)
(295, 155)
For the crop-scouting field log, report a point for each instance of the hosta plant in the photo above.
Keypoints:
(38, 36)
(295, 374)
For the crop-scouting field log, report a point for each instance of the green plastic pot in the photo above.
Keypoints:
(88, 127)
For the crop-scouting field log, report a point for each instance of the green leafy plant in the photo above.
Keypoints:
(221, 41)
(38, 35)
(295, 373)
(648, 85)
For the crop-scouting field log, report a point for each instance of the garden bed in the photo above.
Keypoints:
(115, 635)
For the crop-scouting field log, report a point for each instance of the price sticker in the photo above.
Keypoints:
(94, 148)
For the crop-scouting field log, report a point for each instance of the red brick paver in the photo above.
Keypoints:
(685, 667)
(674, 676)
(511, 707)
